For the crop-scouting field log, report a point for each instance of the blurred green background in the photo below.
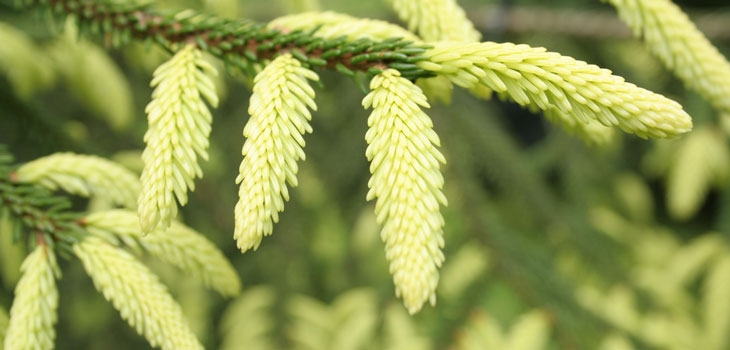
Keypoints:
(550, 243)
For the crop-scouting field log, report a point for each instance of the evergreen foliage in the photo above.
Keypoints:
(516, 239)
(406, 180)
(274, 144)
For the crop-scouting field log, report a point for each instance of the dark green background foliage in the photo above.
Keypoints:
(533, 199)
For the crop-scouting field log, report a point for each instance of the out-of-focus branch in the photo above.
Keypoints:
(595, 24)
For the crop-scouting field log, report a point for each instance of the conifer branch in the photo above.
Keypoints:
(134, 290)
(242, 44)
(40, 211)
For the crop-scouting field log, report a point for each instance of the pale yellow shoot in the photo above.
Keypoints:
(179, 126)
(274, 143)
(404, 162)
(179, 246)
(137, 294)
(672, 37)
(436, 20)
(570, 91)
(83, 175)
(34, 310)
(332, 25)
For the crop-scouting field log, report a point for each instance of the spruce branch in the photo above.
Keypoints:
(246, 45)
(40, 211)
(332, 25)
(241, 44)
(134, 290)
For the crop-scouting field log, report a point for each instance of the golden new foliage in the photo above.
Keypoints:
(83, 175)
(436, 20)
(137, 293)
(178, 245)
(406, 180)
(672, 37)
(179, 126)
(332, 24)
(274, 144)
(34, 310)
(575, 91)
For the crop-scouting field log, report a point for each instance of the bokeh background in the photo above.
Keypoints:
(550, 243)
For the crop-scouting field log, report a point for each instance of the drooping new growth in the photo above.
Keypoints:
(178, 245)
(402, 147)
(179, 126)
(672, 37)
(332, 25)
(34, 311)
(142, 300)
(436, 20)
(274, 144)
(406, 181)
(83, 175)
(574, 92)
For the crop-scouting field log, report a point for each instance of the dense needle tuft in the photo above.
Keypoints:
(274, 143)
(570, 91)
(83, 175)
(406, 181)
(436, 19)
(178, 245)
(179, 126)
(141, 299)
(35, 307)
(674, 39)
